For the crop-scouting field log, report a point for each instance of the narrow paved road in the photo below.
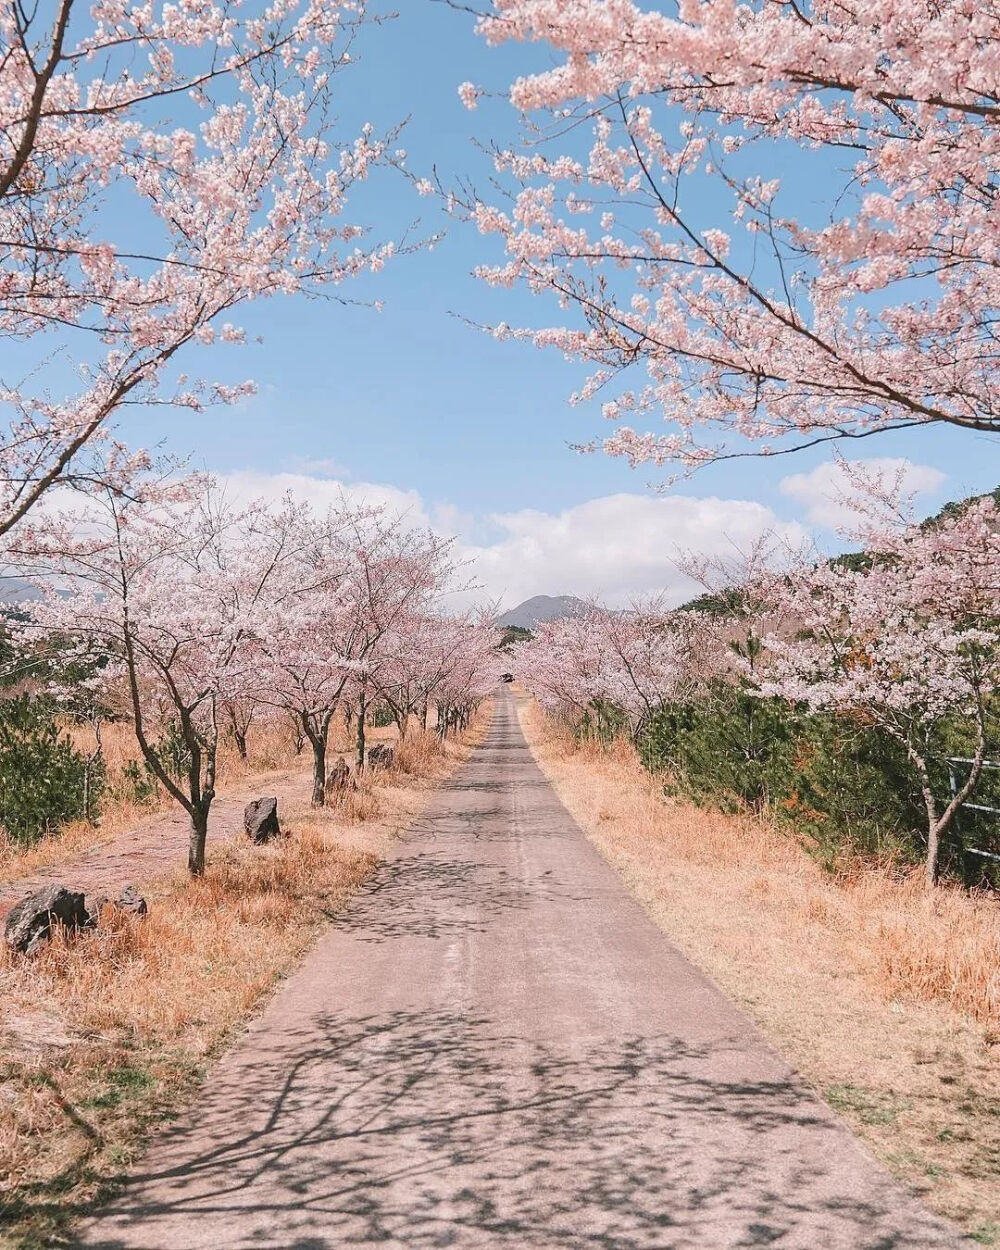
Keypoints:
(496, 1048)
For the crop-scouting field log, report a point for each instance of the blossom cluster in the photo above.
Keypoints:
(645, 199)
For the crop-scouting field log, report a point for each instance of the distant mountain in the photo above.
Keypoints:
(542, 608)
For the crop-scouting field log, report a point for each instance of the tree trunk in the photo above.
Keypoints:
(937, 824)
(241, 743)
(319, 771)
(933, 852)
(93, 760)
(196, 842)
(362, 705)
(423, 717)
(88, 785)
(298, 732)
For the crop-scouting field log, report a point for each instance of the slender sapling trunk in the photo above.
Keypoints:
(362, 707)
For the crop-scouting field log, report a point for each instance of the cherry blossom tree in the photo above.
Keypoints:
(160, 165)
(906, 640)
(631, 660)
(417, 658)
(361, 573)
(300, 669)
(647, 197)
(448, 659)
(562, 665)
(167, 584)
(647, 650)
(459, 680)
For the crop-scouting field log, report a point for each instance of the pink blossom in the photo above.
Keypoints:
(759, 332)
(246, 200)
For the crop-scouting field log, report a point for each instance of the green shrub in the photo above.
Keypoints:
(602, 720)
(852, 787)
(382, 716)
(173, 752)
(511, 635)
(729, 749)
(43, 780)
(137, 783)
(845, 785)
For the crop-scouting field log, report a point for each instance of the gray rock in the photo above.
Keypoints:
(338, 778)
(260, 819)
(129, 901)
(31, 921)
(381, 756)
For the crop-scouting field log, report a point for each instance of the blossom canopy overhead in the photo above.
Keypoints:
(768, 310)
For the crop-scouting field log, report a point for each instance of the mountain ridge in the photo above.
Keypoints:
(541, 608)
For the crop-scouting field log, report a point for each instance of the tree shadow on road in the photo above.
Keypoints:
(438, 896)
(426, 1130)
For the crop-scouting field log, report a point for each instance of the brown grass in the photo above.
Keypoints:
(270, 749)
(416, 752)
(885, 997)
(105, 1033)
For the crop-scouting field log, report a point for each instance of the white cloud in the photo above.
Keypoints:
(244, 485)
(826, 492)
(615, 546)
(319, 467)
(612, 547)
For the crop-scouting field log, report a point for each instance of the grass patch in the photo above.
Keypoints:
(123, 1083)
(865, 1105)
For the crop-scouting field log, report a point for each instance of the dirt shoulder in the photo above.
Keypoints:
(106, 1035)
(843, 977)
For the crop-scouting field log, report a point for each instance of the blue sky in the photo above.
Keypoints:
(464, 430)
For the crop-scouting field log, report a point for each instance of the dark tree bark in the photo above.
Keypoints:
(197, 839)
(319, 769)
(362, 707)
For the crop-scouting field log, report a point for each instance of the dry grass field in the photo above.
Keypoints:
(885, 997)
(107, 1033)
